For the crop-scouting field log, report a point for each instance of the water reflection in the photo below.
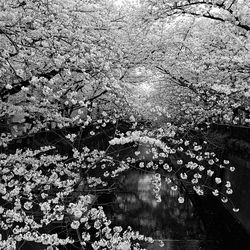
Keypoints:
(175, 223)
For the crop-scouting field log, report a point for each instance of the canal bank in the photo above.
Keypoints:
(220, 225)
(236, 147)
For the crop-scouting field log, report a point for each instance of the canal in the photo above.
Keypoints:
(198, 223)
(177, 225)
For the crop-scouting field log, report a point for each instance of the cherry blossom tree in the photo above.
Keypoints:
(67, 71)
(200, 52)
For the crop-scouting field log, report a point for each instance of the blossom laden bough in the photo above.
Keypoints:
(65, 94)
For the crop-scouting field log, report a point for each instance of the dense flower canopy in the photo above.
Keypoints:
(92, 89)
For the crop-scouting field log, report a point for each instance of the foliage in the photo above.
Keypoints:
(69, 81)
(201, 61)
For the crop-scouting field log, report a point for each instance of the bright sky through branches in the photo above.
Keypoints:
(121, 3)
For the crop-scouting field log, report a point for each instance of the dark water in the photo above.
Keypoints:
(177, 225)
(200, 225)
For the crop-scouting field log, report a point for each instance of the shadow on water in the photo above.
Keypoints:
(178, 225)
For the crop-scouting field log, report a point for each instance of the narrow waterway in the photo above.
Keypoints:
(176, 224)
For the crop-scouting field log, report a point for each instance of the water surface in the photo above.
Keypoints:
(176, 224)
